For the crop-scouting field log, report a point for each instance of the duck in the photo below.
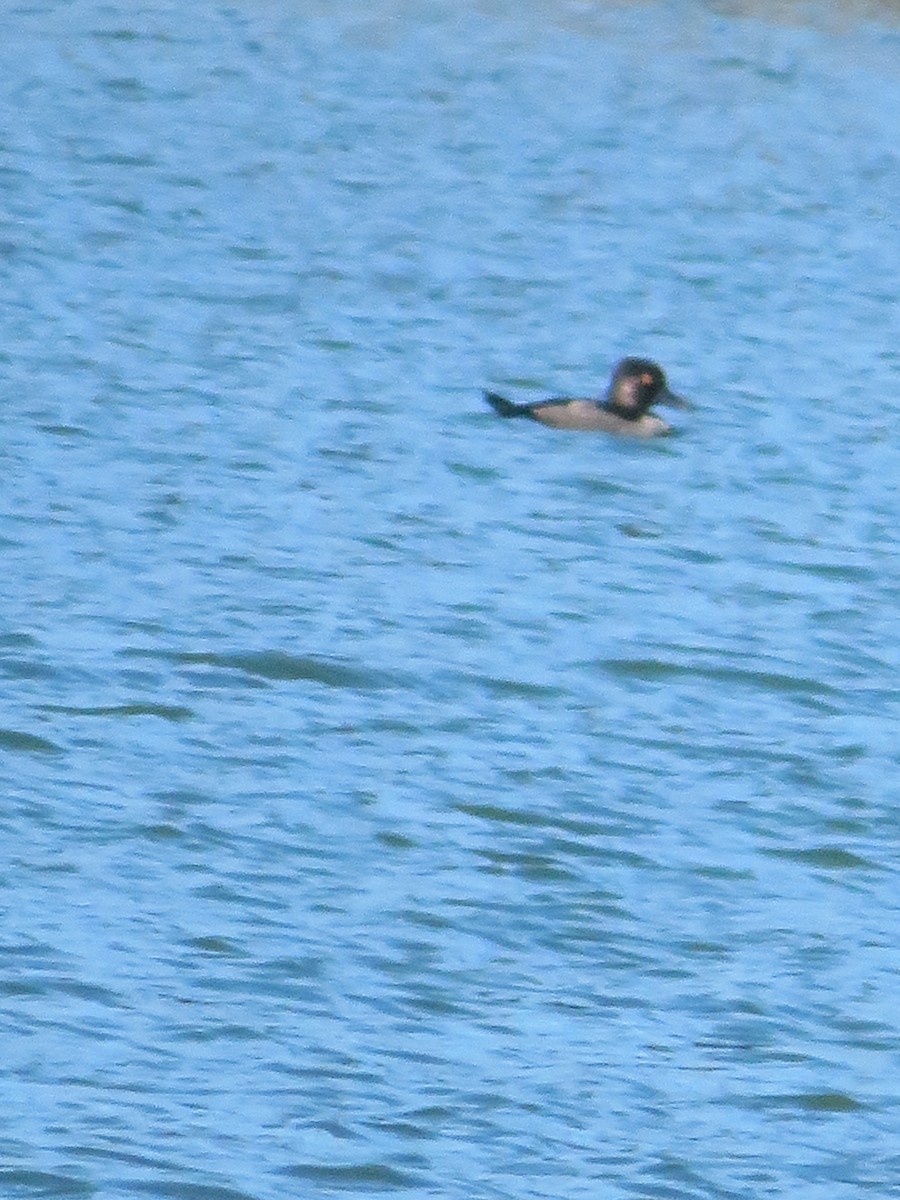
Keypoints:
(636, 385)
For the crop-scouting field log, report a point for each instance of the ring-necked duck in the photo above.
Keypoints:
(637, 384)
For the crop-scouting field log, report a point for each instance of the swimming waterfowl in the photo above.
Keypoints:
(636, 385)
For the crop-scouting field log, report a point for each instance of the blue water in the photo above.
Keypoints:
(397, 800)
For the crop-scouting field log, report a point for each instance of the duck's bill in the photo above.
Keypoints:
(672, 401)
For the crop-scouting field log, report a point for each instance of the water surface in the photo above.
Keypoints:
(397, 800)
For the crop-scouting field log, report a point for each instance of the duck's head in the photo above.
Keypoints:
(637, 384)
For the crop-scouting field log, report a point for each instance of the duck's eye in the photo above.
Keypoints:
(646, 379)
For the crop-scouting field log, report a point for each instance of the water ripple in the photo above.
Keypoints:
(384, 779)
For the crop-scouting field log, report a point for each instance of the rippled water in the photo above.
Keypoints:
(398, 800)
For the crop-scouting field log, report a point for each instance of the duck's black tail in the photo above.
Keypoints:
(506, 408)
